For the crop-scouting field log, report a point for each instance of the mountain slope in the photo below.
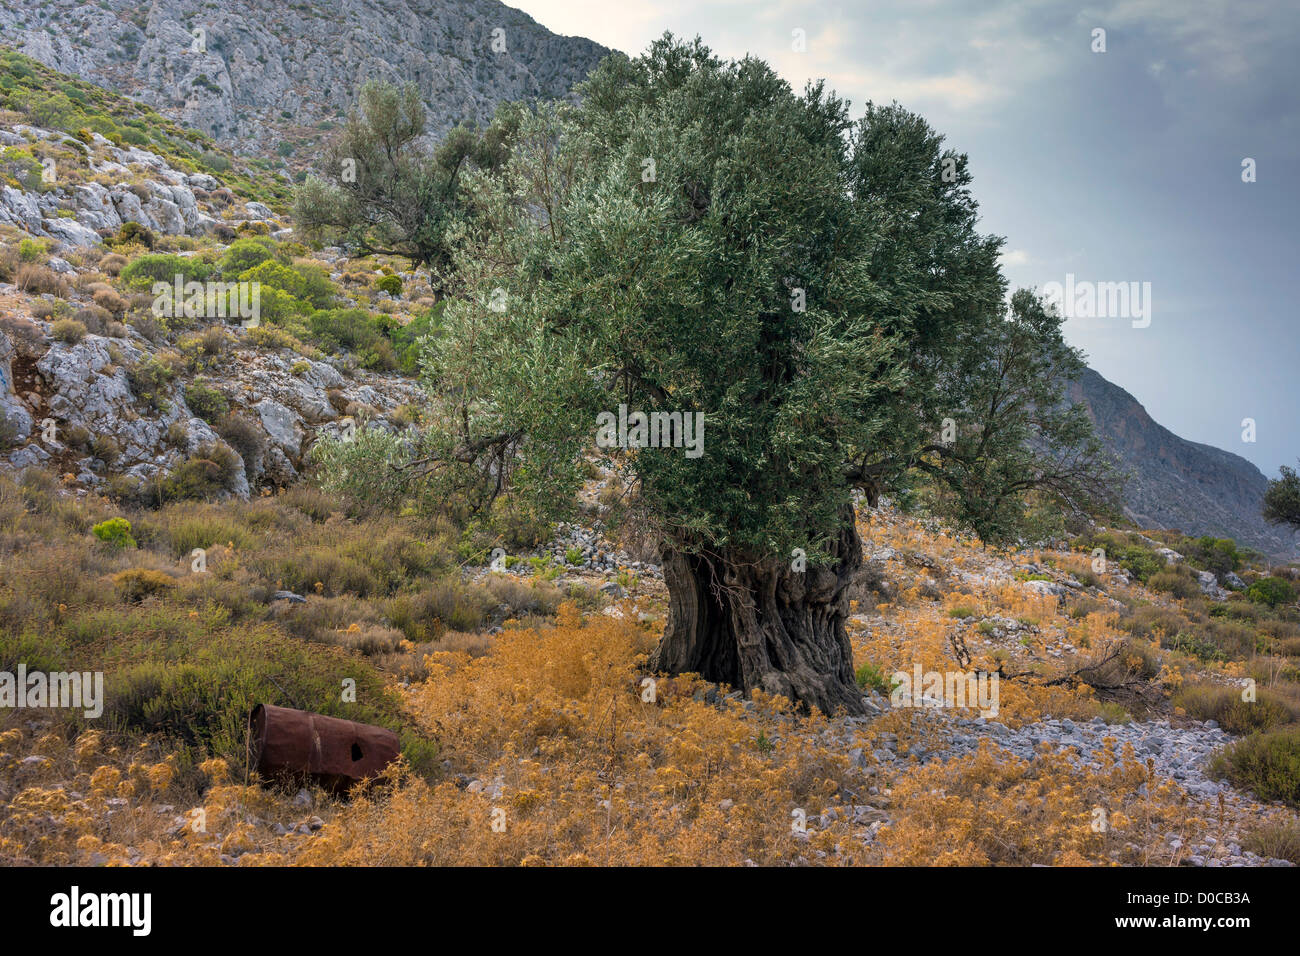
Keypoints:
(274, 77)
(1175, 483)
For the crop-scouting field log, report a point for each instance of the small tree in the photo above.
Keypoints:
(1011, 434)
(1282, 499)
(384, 190)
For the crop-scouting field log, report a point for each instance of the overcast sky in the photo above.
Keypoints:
(1122, 166)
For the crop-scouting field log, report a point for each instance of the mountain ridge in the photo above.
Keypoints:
(1177, 483)
(259, 79)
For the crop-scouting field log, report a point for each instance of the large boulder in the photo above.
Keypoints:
(163, 210)
(15, 420)
(1210, 586)
(130, 208)
(71, 232)
(258, 212)
(282, 426)
(20, 209)
(95, 207)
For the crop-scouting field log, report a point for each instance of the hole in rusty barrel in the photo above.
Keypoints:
(356, 752)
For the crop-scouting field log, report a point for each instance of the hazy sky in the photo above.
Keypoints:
(1122, 166)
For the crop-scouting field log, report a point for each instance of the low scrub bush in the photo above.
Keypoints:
(40, 280)
(205, 401)
(68, 331)
(1272, 591)
(1224, 704)
(1267, 763)
(115, 531)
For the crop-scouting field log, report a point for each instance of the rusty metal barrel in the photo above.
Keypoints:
(335, 753)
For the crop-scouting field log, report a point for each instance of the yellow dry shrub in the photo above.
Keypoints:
(995, 808)
(574, 768)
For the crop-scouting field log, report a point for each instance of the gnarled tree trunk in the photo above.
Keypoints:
(757, 623)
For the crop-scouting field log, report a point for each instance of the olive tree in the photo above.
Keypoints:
(794, 300)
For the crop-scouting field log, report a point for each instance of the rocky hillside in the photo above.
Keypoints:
(1175, 483)
(100, 387)
(275, 77)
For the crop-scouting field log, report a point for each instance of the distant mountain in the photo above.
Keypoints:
(1175, 483)
(273, 77)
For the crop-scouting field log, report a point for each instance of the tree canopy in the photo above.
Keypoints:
(1282, 499)
(695, 237)
(385, 190)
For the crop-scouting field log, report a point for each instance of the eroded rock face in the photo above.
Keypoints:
(1210, 586)
(164, 203)
(244, 71)
(85, 391)
(282, 426)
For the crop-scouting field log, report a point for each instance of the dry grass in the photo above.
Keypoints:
(40, 280)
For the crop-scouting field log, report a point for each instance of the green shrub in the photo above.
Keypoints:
(95, 319)
(391, 284)
(160, 267)
(871, 677)
(349, 330)
(243, 436)
(1267, 763)
(206, 402)
(131, 232)
(136, 584)
(361, 469)
(106, 448)
(1238, 608)
(1141, 562)
(69, 331)
(1113, 713)
(1276, 839)
(1177, 583)
(245, 254)
(149, 379)
(336, 573)
(407, 338)
(1146, 621)
(317, 290)
(1236, 716)
(1219, 555)
(115, 531)
(203, 531)
(280, 308)
(1271, 591)
(208, 472)
(198, 695)
(519, 526)
(303, 282)
(30, 250)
